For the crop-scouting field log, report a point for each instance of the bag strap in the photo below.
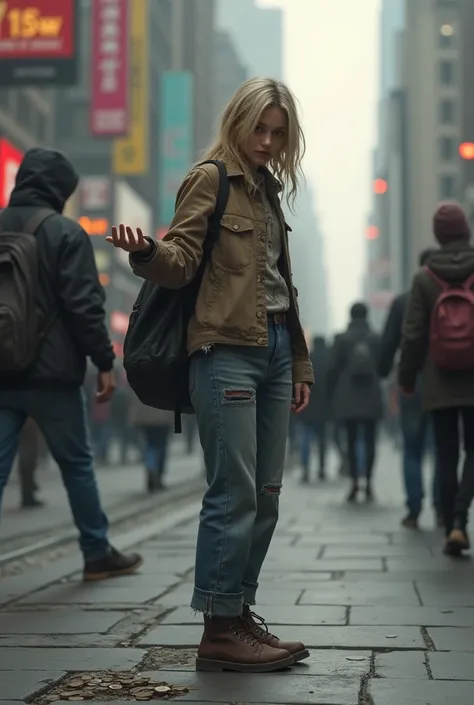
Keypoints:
(37, 219)
(221, 202)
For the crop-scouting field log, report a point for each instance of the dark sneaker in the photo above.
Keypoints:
(369, 494)
(457, 540)
(352, 497)
(410, 521)
(31, 502)
(229, 645)
(111, 566)
(258, 627)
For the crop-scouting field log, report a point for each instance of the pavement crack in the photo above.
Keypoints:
(418, 594)
(430, 645)
(428, 666)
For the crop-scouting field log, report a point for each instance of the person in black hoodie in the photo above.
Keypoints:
(315, 417)
(355, 392)
(50, 391)
(448, 395)
(415, 424)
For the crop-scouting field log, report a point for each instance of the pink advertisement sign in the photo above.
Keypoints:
(110, 68)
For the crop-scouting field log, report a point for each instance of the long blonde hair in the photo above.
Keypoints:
(239, 120)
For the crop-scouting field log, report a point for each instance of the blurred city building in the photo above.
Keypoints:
(246, 23)
(424, 92)
(229, 72)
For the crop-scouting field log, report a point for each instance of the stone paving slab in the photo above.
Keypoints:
(64, 622)
(452, 639)
(375, 551)
(447, 595)
(413, 692)
(361, 594)
(189, 636)
(452, 666)
(328, 566)
(355, 539)
(411, 616)
(260, 688)
(30, 659)
(66, 641)
(402, 664)
(90, 593)
(274, 614)
(435, 563)
(18, 685)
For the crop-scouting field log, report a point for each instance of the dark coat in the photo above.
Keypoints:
(454, 263)
(68, 277)
(351, 400)
(392, 334)
(317, 411)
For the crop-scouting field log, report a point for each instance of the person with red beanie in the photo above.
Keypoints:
(440, 306)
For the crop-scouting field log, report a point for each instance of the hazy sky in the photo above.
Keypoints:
(331, 65)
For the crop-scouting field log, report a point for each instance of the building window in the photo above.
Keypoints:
(447, 149)
(447, 111)
(447, 73)
(447, 188)
(447, 36)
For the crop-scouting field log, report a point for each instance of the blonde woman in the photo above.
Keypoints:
(249, 360)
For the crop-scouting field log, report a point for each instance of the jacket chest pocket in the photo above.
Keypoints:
(234, 248)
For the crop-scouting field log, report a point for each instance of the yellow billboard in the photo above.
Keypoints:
(130, 154)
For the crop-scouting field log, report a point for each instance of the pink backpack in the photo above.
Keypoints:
(452, 325)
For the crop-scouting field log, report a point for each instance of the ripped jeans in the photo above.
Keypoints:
(242, 397)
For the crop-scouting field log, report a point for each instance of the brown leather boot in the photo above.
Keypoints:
(258, 627)
(228, 645)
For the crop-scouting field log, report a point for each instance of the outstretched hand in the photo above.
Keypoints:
(127, 239)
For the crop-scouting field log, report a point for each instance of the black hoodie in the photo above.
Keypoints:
(68, 277)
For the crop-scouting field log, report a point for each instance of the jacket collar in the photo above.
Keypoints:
(234, 169)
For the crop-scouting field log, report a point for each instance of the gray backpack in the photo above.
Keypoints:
(22, 326)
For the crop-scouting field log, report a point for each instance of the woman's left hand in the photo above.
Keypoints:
(301, 396)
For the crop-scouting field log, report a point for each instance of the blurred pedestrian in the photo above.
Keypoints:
(156, 427)
(248, 359)
(28, 459)
(355, 393)
(415, 423)
(315, 417)
(71, 301)
(438, 340)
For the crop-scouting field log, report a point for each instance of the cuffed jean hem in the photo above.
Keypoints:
(250, 593)
(217, 604)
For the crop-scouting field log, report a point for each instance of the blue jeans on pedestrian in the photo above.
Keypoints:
(61, 417)
(417, 439)
(156, 450)
(313, 432)
(242, 397)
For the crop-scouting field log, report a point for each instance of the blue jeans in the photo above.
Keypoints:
(156, 450)
(313, 432)
(61, 417)
(242, 397)
(417, 434)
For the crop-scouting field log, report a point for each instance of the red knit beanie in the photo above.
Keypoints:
(450, 223)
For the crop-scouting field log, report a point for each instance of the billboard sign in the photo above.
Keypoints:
(176, 138)
(10, 160)
(38, 42)
(130, 154)
(109, 108)
(95, 193)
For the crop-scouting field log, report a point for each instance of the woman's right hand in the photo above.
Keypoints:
(126, 239)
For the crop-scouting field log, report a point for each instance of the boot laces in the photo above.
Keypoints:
(241, 630)
(259, 626)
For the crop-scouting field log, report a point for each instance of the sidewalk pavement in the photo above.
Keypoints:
(119, 486)
(388, 618)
